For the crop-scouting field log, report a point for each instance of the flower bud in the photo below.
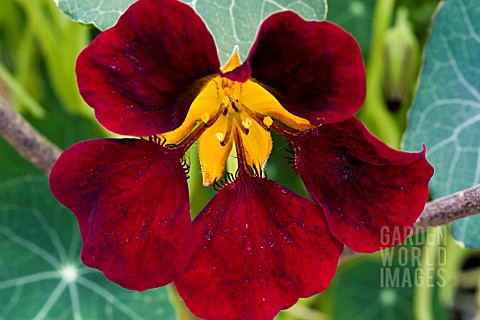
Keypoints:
(401, 56)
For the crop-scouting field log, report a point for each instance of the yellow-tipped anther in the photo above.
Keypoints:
(219, 136)
(225, 101)
(267, 121)
(247, 123)
(205, 117)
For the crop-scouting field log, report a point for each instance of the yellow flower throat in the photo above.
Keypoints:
(233, 112)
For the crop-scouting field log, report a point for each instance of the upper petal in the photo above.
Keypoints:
(368, 190)
(141, 75)
(258, 248)
(314, 68)
(130, 198)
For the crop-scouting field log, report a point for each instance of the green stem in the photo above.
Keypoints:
(182, 312)
(20, 93)
(453, 269)
(423, 296)
(374, 112)
(301, 311)
(60, 44)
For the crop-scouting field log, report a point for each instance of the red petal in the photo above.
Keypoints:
(369, 191)
(258, 248)
(140, 75)
(130, 198)
(315, 69)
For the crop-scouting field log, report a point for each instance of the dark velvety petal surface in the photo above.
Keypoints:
(141, 75)
(130, 198)
(258, 248)
(371, 194)
(315, 69)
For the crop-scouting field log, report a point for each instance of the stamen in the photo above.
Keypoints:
(248, 122)
(267, 121)
(225, 101)
(223, 138)
(197, 132)
(220, 136)
(243, 125)
(259, 118)
(205, 117)
(210, 122)
(192, 137)
(287, 132)
(228, 133)
(234, 105)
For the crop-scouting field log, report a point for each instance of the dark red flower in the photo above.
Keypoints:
(257, 246)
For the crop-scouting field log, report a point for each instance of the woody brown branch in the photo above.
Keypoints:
(447, 209)
(440, 212)
(28, 142)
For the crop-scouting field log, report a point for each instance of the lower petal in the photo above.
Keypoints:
(368, 190)
(258, 248)
(130, 198)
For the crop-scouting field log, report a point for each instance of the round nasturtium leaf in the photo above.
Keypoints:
(446, 113)
(231, 22)
(41, 275)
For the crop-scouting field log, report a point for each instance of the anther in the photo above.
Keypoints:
(228, 133)
(244, 125)
(225, 101)
(234, 105)
(267, 121)
(219, 136)
(248, 122)
(205, 117)
(260, 119)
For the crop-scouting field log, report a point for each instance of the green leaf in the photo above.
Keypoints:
(364, 288)
(231, 22)
(12, 164)
(102, 13)
(446, 112)
(467, 231)
(60, 128)
(65, 129)
(41, 275)
(356, 17)
(383, 286)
